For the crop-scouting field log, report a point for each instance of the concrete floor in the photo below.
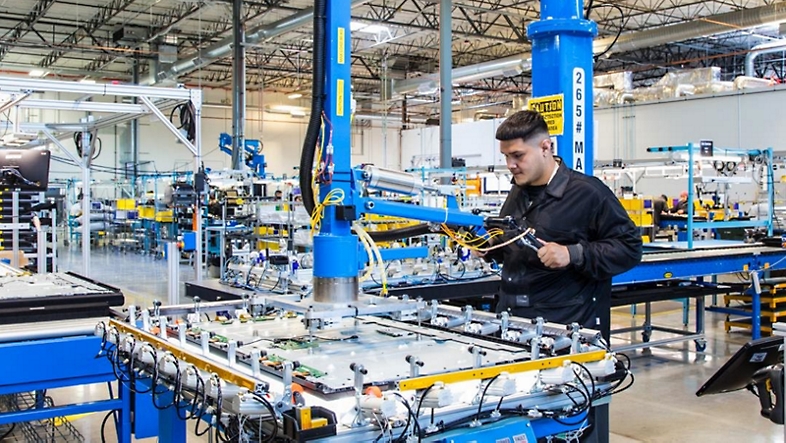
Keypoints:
(661, 407)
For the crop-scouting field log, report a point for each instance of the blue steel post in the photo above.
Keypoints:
(562, 64)
(335, 247)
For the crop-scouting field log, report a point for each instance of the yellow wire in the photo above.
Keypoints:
(333, 198)
(458, 239)
(375, 249)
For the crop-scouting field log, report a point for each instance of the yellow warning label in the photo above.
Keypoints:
(340, 97)
(552, 108)
(340, 46)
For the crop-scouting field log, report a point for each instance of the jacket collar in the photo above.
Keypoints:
(556, 188)
(559, 183)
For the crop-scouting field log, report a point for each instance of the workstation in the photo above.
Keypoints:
(446, 221)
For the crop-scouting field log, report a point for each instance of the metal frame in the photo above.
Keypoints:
(76, 366)
(695, 265)
(125, 112)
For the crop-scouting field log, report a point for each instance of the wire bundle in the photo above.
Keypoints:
(474, 242)
(333, 198)
(374, 257)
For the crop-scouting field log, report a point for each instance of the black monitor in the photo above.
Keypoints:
(737, 372)
(24, 169)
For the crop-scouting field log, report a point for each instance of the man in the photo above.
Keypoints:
(659, 206)
(587, 236)
(681, 207)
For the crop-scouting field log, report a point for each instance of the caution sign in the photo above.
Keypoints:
(552, 108)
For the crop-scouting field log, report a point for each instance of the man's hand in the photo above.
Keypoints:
(554, 255)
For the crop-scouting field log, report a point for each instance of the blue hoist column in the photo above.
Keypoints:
(335, 247)
(562, 65)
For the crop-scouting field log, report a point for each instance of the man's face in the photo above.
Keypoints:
(530, 164)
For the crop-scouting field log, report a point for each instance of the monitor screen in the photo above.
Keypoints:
(24, 169)
(737, 372)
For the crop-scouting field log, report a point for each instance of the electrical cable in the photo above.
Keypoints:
(8, 432)
(483, 395)
(272, 411)
(103, 426)
(619, 31)
(186, 114)
(317, 106)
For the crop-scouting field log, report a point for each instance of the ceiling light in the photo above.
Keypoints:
(88, 81)
(37, 73)
(294, 95)
(369, 29)
(297, 113)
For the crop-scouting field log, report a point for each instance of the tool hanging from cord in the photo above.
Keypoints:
(95, 144)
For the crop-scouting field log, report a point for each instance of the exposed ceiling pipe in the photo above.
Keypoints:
(766, 48)
(703, 27)
(223, 48)
(508, 66)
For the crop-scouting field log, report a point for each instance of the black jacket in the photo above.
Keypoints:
(580, 212)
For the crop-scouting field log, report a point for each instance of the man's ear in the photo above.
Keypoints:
(545, 145)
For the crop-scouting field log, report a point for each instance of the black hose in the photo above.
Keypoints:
(317, 106)
(397, 234)
(315, 123)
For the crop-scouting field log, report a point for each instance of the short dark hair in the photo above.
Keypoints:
(524, 125)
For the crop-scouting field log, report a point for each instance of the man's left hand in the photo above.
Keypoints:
(554, 255)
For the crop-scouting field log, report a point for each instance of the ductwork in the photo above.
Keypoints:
(703, 27)
(508, 66)
(766, 48)
(222, 49)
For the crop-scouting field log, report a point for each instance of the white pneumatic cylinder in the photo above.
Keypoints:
(603, 367)
(378, 405)
(393, 181)
(557, 376)
(437, 397)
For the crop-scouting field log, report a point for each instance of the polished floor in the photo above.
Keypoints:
(661, 407)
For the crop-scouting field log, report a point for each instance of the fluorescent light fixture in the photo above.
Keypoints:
(368, 28)
(294, 96)
(297, 113)
(37, 73)
(88, 81)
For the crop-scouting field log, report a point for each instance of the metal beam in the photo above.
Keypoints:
(24, 26)
(102, 17)
(238, 85)
(10, 84)
(84, 106)
(171, 126)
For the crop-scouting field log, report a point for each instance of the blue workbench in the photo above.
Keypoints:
(37, 357)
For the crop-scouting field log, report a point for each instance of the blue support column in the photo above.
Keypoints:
(335, 247)
(562, 64)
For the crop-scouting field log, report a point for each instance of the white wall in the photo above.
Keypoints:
(282, 137)
(747, 120)
(473, 141)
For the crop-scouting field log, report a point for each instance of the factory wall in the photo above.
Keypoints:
(746, 119)
(159, 151)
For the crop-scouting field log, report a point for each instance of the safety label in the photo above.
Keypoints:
(340, 97)
(552, 108)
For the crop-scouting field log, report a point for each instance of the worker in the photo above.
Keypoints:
(76, 207)
(277, 196)
(659, 206)
(681, 207)
(587, 235)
